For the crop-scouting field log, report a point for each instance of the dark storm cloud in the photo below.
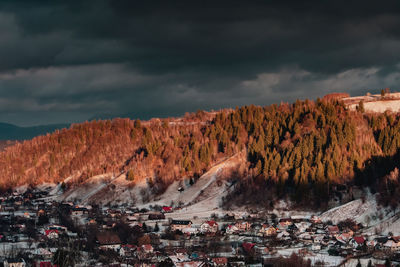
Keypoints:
(71, 60)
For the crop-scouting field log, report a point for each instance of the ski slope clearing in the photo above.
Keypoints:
(87, 189)
(203, 196)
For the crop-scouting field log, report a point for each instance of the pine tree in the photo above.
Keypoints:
(258, 169)
(360, 107)
(330, 170)
(144, 227)
(156, 228)
(137, 124)
(130, 176)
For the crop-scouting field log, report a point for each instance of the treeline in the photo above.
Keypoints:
(162, 150)
(302, 148)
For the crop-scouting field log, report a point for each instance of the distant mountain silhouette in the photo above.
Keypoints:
(12, 132)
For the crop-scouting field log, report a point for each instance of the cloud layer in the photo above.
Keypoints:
(67, 61)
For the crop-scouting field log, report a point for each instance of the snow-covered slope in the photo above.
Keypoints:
(203, 197)
(204, 194)
(380, 106)
(356, 209)
(374, 217)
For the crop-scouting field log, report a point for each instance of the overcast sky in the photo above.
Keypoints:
(69, 61)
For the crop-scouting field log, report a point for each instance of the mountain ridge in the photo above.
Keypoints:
(302, 150)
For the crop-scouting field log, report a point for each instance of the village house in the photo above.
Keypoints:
(59, 228)
(79, 211)
(305, 236)
(127, 250)
(315, 220)
(44, 263)
(190, 231)
(167, 209)
(147, 248)
(333, 230)
(395, 239)
(285, 223)
(284, 235)
(263, 251)
(156, 216)
(221, 261)
(132, 218)
(52, 234)
(113, 213)
(266, 230)
(180, 224)
(318, 238)
(391, 245)
(180, 259)
(371, 244)
(302, 226)
(231, 229)
(108, 240)
(41, 212)
(209, 227)
(243, 226)
(396, 243)
(248, 247)
(146, 252)
(109, 225)
(344, 237)
(92, 222)
(20, 262)
(315, 247)
(357, 242)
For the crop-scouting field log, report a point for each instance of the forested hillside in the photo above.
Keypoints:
(301, 149)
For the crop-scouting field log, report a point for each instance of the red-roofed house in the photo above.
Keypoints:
(44, 264)
(51, 233)
(147, 248)
(357, 241)
(166, 209)
(222, 261)
(209, 227)
(248, 247)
